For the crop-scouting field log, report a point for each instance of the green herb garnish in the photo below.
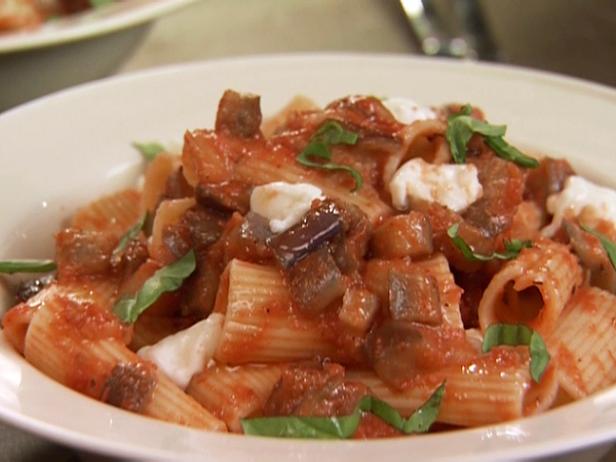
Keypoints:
(512, 247)
(166, 279)
(505, 151)
(460, 129)
(608, 246)
(420, 421)
(27, 266)
(149, 151)
(519, 334)
(99, 3)
(345, 426)
(131, 234)
(330, 133)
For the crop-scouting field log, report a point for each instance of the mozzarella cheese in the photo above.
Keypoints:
(283, 204)
(454, 186)
(183, 354)
(408, 111)
(580, 195)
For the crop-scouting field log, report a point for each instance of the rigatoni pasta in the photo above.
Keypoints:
(533, 289)
(257, 313)
(585, 343)
(364, 269)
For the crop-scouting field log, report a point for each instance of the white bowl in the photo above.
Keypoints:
(53, 158)
(74, 49)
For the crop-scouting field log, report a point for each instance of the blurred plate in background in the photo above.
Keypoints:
(74, 49)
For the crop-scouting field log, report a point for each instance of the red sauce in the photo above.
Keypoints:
(372, 426)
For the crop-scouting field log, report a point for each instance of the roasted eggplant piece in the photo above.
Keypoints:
(315, 281)
(408, 235)
(319, 226)
(414, 297)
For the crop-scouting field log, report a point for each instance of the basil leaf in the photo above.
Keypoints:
(505, 334)
(359, 181)
(419, 422)
(131, 234)
(330, 133)
(27, 266)
(481, 127)
(539, 356)
(149, 151)
(99, 3)
(460, 129)
(512, 247)
(166, 279)
(303, 427)
(458, 135)
(519, 334)
(467, 109)
(423, 418)
(345, 426)
(505, 151)
(608, 246)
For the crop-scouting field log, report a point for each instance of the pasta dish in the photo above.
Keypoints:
(29, 14)
(373, 268)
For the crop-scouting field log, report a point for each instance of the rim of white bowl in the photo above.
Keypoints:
(576, 440)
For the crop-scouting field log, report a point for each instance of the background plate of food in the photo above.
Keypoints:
(49, 45)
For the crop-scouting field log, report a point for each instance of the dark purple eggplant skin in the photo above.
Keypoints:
(28, 289)
(414, 297)
(239, 114)
(549, 178)
(315, 282)
(318, 227)
(226, 197)
(392, 348)
(130, 386)
(406, 235)
(256, 227)
(592, 256)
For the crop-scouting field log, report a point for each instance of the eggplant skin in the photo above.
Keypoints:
(318, 227)
(315, 281)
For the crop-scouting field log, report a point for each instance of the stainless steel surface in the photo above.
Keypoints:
(457, 31)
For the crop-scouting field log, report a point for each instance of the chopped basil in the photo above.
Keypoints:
(608, 246)
(27, 266)
(303, 427)
(512, 247)
(166, 279)
(519, 334)
(420, 421)
(149, 151)
(131, 234)
(99, 3)
(460, 129)
(330, 133)
(345, 426)
(505, 151)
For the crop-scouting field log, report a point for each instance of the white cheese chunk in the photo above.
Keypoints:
(454, 186)
(283, 204)
(183, 354)
(408, 111)
(580, 195)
